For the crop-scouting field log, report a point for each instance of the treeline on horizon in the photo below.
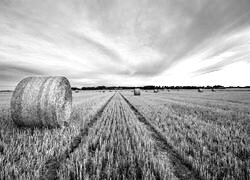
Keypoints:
(155, 87)
(148, 87)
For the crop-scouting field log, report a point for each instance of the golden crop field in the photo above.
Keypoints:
(116, 135)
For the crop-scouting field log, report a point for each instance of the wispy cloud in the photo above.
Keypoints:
(124, 42)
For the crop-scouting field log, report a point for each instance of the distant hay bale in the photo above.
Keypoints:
(200, 90)
(213, 89)
(42, 101)
(76, 91)
(137, 92)
(155, 90)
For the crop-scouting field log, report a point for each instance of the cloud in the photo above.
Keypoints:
(7, 68)
(226, 50)
(126, 42)
(11, 74)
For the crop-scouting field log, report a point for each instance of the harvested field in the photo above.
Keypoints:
(208, 131)
(116, 135)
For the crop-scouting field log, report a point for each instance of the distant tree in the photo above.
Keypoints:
(148, 87)
(75, 88)
(218, 87)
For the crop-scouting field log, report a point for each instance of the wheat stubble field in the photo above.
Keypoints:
(116, 135)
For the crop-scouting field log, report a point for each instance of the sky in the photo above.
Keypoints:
(126, 43)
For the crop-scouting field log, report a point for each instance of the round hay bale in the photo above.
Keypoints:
(137, 92)
(42, 101)
(200, 90)
(155, 90)
(213, 90)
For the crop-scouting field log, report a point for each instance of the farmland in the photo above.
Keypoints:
(116, 135)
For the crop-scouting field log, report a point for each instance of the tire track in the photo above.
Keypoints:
(53, 164)
(133, 142)
(183, 169)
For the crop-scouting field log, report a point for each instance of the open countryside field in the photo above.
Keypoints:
(116, 135)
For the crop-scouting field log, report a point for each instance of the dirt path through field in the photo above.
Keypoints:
(53, 164)
(183, 169)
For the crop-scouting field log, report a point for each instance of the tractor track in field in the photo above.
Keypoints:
(53, 164)
(182, 169)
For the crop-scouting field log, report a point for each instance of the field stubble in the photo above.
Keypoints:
(213, 140)
(26, 150)
(173, 135)
(118, 147)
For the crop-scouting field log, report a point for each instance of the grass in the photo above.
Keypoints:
(117, 147)
(215, 140)
(26, 150)
(208, 133)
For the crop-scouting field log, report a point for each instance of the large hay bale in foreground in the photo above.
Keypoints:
(137, 92)
(42, 101)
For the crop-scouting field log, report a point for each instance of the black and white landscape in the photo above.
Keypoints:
(124, 89)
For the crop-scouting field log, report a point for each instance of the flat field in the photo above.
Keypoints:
(116, 135)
